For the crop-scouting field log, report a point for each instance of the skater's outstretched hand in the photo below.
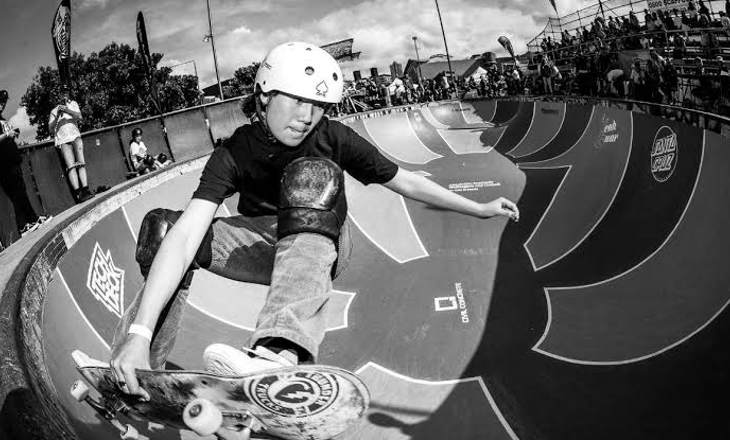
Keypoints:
(132, 354)
(501, 206)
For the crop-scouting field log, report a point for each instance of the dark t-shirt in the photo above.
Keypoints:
(251, 164)
(9, 154)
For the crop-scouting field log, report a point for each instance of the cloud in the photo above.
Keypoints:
(20, 120)
(242, 30)
(92, 4)
(383, 29)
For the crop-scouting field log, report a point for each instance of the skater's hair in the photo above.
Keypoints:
(248, 105)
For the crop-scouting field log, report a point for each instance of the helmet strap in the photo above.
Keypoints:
(261, 116)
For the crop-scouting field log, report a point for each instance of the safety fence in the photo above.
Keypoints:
(181, 135)
(615, 9)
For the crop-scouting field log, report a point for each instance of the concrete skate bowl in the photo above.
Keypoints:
(601, 314)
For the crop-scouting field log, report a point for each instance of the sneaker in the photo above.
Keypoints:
(225, 360)
(84, 194)
(28, 228)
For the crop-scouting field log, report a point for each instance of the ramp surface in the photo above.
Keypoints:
(602, 314)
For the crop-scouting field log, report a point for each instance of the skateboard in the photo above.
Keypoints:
(304, 402)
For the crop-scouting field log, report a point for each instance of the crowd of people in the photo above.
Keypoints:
(494, 82)
(627, 32)
(587, 62)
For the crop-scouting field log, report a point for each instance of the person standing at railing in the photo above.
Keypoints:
(11, 175)
(703, 9)
(63, 123)
(725, 23)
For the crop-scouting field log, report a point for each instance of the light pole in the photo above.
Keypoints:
(209, 37)
(446, 46)
(418, 61)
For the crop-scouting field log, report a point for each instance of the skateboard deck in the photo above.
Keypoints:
(305, 402)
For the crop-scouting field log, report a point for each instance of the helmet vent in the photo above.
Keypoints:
(334, 76)
(309, 70)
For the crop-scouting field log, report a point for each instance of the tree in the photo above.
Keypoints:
(242, 82)
(111, 88)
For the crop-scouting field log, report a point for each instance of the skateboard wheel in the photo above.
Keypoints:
(130, 434)
(79, 390)
(203, 417)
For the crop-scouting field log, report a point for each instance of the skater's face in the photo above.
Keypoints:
(290, 118)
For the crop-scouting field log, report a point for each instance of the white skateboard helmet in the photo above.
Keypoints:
(301, 69)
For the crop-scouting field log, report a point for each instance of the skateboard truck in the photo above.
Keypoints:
(80, 392)
(205, 418)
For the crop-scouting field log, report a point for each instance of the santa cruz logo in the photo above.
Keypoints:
(298, 394)
(610, 132)
(664, 154)
(106, 281)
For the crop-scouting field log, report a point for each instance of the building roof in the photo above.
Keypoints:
(432, 69)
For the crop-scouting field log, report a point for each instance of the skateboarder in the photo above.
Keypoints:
(287, 166)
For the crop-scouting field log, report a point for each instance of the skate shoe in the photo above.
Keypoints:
(229, 361)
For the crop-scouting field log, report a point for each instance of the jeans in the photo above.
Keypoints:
(298, 269)
(11, 181)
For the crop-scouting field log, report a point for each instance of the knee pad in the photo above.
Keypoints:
(155, 226)
(75, 165)
(312, 198)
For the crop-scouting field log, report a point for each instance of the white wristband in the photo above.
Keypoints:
(140, 330)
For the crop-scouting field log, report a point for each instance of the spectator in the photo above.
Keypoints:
(686, 24)
(680, 47)
(63, 124)
(670, 82)
(546, 73)
(703, 9)
(677, 19)
(11, 175)
(725, 23)
(653, 77)
(615, 77)
(691, 10)
(634, 22)
(637, 80)
(142, 162)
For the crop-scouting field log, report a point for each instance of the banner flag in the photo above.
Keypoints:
(341, 50)
(144, 51)
(552, 2)
(61, 35)
(504, 41)
(144, 47)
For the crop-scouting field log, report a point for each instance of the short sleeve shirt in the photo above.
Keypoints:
(138, 149)
(66, 129)
(251, 163)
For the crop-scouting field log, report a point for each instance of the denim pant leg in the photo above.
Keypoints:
(241, 249)
(298, 269)
(301, 284)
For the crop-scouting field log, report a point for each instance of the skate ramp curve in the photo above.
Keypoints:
(601, 314)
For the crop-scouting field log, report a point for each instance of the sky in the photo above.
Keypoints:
(246, 29)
